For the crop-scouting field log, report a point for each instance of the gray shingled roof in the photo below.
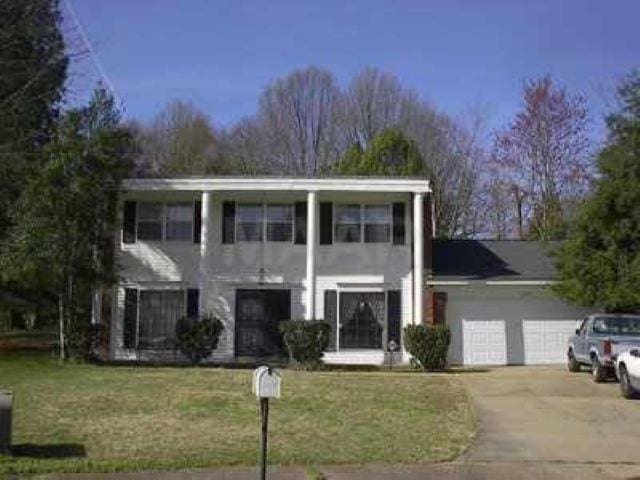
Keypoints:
(493, 260)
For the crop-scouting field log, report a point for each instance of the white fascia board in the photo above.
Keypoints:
(532, 283)
(386, 185)
(447, 282)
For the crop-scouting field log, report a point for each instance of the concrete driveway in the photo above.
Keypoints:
(547, 414)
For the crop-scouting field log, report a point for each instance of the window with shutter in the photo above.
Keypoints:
(179, 221)
(279, 223)
(376, 223)
(159, 314)
(347, 226)
(249, 222)
(150, 221)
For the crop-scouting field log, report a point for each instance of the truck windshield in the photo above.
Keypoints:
(617, 325)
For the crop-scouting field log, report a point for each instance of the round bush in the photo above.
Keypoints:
(428, 345)
(196, 338)
(306, 341)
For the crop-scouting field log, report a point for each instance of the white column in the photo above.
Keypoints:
(204, 250)
(96, 305)
(418, 257)
(310, 312)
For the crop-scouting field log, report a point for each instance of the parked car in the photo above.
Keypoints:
(628, 372)
(600, 339)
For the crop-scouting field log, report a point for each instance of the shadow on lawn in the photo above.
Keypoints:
(54, 450)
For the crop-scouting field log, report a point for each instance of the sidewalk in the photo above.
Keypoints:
(438, 471)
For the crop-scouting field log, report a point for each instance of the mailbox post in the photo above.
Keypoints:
(266, 385)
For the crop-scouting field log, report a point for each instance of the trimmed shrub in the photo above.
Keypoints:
(197, 337)
(428, 345)
(306, 341)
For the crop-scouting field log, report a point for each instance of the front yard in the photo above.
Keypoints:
(77, 417)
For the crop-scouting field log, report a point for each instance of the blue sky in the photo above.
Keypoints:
(458, 55)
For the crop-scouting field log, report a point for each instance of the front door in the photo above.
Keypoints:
(258, 315)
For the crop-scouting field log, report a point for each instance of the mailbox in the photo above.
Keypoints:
(266, 383)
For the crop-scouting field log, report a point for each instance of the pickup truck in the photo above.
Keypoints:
(599, 340)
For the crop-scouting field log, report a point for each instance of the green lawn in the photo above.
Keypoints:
(101, 418)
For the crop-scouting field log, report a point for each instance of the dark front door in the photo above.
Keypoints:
(258, 314)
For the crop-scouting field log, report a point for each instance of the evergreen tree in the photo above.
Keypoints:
(599, 264)
(33, 62)
(62, 241)
(389, 154)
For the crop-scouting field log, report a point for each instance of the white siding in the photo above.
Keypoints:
(228, 267)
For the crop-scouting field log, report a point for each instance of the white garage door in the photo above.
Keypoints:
(545, 341)
(484, 342)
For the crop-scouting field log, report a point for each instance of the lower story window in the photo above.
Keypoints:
(365, 320)
(151, 316)
(159, 314)
(362, 320)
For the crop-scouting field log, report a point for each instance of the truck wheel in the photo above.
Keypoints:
(572, 364)
(598, 372)
(625, 383)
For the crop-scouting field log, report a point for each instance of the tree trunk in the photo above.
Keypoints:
(519, 212)
(61, 320)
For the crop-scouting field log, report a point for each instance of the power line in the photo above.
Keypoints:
(94, 56)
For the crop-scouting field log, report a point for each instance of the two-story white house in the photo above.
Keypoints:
(257, 251)
(355, 252)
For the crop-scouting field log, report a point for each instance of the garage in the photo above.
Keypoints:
(499, 303)
(484, 342)
(545, 341)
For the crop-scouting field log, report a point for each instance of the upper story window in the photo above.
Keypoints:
(377, 223)
(149, 221)
(179, 221)
(256, 222)
(279, 223)
(159, 221)
(347, 223)
(368, 223)
(249, 223)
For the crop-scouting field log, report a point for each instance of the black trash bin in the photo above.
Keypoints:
(6, 412)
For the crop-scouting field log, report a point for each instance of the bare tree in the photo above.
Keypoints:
(543, 158)
(179, 141)
(295, 117)
(451, 154)
(374, 101)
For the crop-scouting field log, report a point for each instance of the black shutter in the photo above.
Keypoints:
(398, 224)
(228, 222)
(193, 297)
(331, 316)
(130, 317)
(129, 222)
(301, 223)
(326, 223)
(393, 316)
(197, 221)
